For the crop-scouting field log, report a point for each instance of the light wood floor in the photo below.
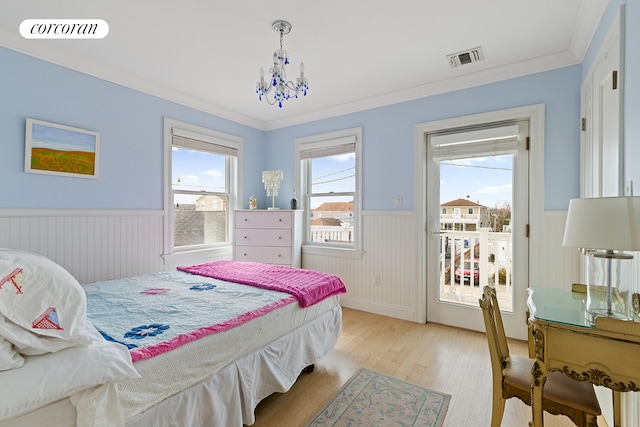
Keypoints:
(437, 357)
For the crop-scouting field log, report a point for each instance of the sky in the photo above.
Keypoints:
(333, 173)
(197, 171)
(43, 136)
(486, 180)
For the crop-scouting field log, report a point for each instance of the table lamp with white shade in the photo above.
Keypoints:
(604, 229)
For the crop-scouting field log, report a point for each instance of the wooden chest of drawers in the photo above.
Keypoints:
(272, 237)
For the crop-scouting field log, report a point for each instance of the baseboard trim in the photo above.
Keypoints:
(404, 313)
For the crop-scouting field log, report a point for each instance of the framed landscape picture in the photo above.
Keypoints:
(55, 149)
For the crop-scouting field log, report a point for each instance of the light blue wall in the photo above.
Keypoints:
(388, 136)
(130, 125)
(131, 158)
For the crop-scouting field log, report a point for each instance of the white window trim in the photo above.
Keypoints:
(171, 127)
(315, 142)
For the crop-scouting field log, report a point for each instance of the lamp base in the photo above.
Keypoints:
(608, 290)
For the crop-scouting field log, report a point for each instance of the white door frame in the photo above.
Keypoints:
(535, 115)
(593, 171)
(603, 175)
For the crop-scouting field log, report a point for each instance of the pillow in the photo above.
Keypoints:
(49, 377)
(42, 307)
(9, 357)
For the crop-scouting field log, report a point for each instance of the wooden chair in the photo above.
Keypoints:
(512, 376)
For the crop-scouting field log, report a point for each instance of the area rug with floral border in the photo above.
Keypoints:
(370, 398)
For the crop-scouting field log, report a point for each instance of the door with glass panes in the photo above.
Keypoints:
(477, 196)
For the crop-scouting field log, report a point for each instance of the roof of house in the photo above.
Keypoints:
(335, 206)
(326, 222)
(461, 202)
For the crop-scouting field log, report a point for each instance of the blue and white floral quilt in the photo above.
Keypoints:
(155, 313)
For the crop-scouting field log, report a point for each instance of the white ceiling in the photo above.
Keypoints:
(358, 54)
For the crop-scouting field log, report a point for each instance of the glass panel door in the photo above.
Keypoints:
(475, 232)
(477, 212)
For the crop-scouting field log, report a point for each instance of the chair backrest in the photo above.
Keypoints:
(498, 347)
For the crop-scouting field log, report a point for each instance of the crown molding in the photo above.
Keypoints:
(39, 51)
(523, 68)
(589, 16)
(520, 69)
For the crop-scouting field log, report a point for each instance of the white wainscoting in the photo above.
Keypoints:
(389, 241)
(560, 266)
(92, 245)
(388, 252)
(106, 244)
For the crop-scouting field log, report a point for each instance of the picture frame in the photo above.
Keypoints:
(55, 149)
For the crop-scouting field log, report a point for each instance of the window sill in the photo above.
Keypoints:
(198, 255)
(332, 252)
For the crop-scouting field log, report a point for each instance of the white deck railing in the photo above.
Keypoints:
(472, 217)
(331, 233)
(494, 254)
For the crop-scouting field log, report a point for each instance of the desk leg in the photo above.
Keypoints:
(538, 378)
(617, 411)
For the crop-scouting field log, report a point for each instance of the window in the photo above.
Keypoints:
(202, 172)
(329, 178)
(470, 211)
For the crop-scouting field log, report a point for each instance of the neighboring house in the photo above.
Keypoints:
(332, 222)
(202, 222)
(463, 215)
(339, 210)
(211, 203)
(326, 222)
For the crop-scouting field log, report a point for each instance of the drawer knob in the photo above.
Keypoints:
(280, 219)
(279, 255)
(245, 220)
(245, 237)
(245, 254)
(279, 237)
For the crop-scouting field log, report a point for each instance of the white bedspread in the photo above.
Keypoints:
(228, 398)
(171, 372)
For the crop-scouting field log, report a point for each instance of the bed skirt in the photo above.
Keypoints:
(229, 397)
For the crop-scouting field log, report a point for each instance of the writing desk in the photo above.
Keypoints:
(604, 353)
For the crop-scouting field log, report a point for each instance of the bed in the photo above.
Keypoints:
(200, 346)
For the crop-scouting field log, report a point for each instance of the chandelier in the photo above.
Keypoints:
(282, 89)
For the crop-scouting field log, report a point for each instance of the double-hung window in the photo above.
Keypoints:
(328, 171)
(203, 168)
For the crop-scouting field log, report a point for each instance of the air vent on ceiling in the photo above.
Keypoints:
(465, 57)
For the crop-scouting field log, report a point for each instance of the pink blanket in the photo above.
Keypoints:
(308, 286)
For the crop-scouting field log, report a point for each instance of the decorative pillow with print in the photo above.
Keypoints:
(42, 306)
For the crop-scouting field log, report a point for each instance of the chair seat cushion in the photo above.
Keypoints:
(558, 388)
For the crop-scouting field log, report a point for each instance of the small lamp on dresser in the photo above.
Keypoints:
(271, 181)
